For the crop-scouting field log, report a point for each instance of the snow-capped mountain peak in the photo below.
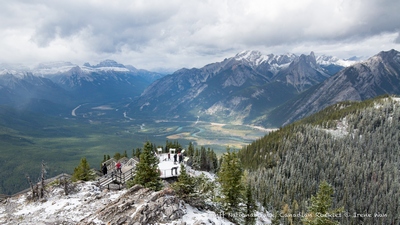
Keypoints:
(248, 55)
(256, 58)
(329, 60)
(253, 57)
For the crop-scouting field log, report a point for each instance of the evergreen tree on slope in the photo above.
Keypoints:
(83, 172)
(319, 211)
(230, 177)
(147, 173)
(185, 186)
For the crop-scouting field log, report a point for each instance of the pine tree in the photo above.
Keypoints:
(276, 220)
(196, 159)
(82, 172)
(190, 151)
(319, 211)
(203, 159)
(138, 152)
(250, 206)
(147, 173)
(185, 186)
(117, 156)
(230, 176)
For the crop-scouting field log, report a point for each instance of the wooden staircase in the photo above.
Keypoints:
(114, 177)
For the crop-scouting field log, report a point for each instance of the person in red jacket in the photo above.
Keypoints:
(118, 165)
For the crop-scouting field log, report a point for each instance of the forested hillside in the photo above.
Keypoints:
(353, 146)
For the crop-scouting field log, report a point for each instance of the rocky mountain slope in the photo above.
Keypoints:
(302, 73)
(238, 90)
(27, 91)
(376, 76)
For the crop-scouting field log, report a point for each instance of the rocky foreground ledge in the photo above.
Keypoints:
(87, 204)
(140, 206)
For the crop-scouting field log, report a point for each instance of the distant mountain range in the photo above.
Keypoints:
(57, 86)
(248, 88)
(240, 89)
(376, 76)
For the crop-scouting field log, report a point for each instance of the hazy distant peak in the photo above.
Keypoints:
(13, 66)
(109, 63)
(54, 64)
(52, 67)
(329, 60)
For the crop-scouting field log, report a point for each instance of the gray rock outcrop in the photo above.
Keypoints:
(139, 206)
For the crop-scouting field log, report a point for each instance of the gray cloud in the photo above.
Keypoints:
(177, 33)
(397, 40)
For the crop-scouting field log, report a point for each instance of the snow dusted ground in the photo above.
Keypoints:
(341, 129)
(58, 208)
(73, 208)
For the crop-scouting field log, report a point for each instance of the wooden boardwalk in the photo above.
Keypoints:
(168, 169)
(114, 177)
(117, 177)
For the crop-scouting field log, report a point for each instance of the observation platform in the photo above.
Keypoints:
(168, 168)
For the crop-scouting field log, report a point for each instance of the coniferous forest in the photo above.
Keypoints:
(355, 147)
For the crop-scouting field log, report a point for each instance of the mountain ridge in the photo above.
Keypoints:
(246, 88)
(376, 76)
(241, 88)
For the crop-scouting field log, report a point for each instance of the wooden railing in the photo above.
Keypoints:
(116, 178)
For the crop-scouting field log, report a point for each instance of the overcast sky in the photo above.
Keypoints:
(172, 34)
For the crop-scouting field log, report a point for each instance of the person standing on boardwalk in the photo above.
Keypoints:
(118, 165)
(180, 157)
(104, 169)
